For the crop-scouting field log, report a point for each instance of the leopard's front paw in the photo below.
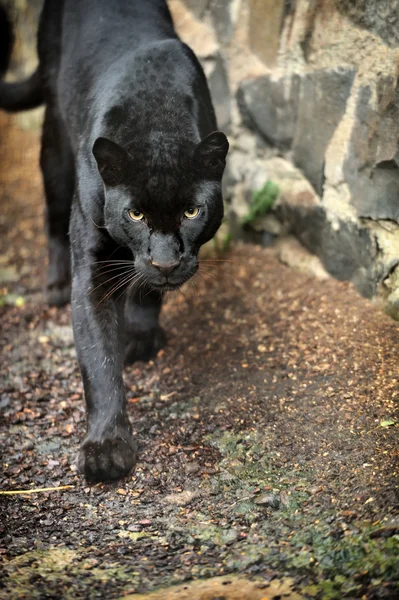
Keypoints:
(108, 459)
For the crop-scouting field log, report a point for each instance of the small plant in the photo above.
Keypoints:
(262, 202)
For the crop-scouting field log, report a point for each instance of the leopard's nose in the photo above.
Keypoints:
(165, 268)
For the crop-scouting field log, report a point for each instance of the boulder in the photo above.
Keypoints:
(270, 106)
(371, 166)
(322, 104)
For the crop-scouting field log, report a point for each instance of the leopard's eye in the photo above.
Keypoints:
(136, 215)
(191, 213)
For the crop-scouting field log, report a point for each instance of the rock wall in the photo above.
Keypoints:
(309, 98)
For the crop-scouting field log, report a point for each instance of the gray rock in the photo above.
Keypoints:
(347, 251)
(197, 7)
(298, 111)
(377, 197)
(268, 239)
(222, 18)
(271, 107)
(378, 16)
(219, 87)
(272, 500)
(371, 166)
(322, 104)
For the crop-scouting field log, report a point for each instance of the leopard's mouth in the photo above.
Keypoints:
(167, 287)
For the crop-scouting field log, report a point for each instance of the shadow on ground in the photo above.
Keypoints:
(267, 428)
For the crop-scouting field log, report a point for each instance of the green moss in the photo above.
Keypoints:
(54, 568)
(336, 559)
(208, 532)
(46, 565)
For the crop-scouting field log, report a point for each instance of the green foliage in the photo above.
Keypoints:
(262, 202)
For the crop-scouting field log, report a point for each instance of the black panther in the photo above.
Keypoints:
(132, 164)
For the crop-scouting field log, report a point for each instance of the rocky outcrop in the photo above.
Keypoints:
(315, 82)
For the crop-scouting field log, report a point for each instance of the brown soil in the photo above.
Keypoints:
(267, 428)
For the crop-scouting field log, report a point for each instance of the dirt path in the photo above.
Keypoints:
(267, 428)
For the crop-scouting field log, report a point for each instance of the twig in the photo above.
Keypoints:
(34, 490)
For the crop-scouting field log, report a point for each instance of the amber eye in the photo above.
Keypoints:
(136, 215)
(191, 213)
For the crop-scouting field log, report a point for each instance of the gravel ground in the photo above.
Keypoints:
(267, 429)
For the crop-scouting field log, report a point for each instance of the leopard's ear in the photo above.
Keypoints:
(112, 161)
(211, 151)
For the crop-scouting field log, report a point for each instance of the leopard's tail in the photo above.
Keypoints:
(21, 95)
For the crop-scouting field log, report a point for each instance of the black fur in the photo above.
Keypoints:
(6, 40)
(129, 131)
